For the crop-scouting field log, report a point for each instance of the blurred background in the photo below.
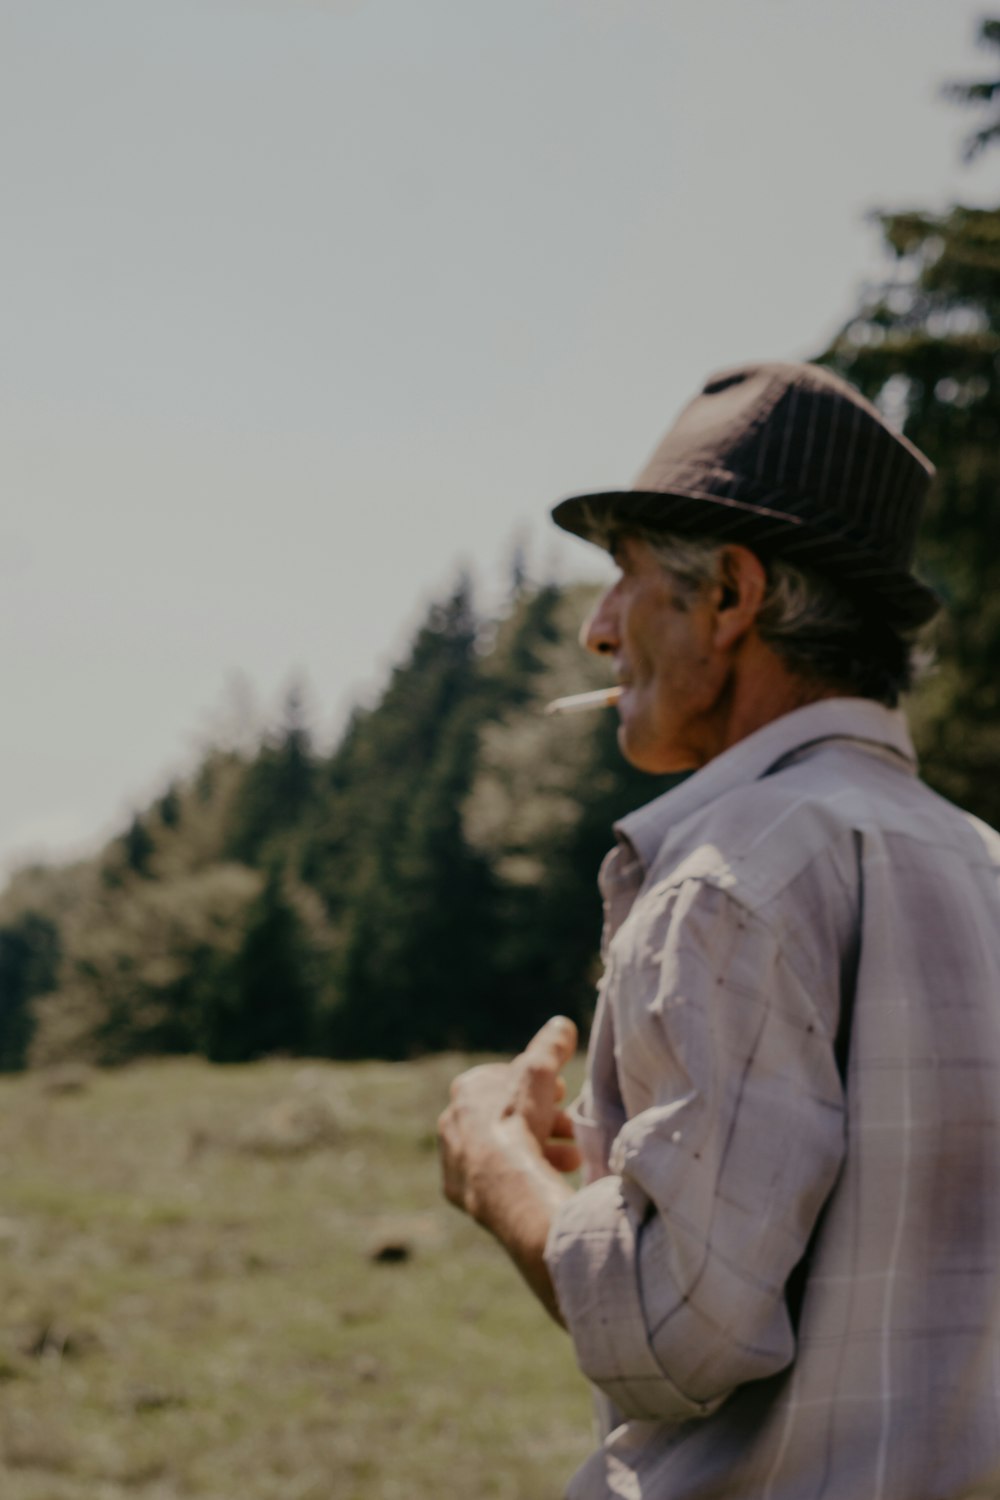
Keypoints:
(309, 303)
(311, 310)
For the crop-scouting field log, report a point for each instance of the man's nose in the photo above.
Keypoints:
(599, 632)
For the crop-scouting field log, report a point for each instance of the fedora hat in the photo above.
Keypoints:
(791, 461)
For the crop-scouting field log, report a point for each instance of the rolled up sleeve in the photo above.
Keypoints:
(671, 1271)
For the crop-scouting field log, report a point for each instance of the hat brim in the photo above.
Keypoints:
(828, 549)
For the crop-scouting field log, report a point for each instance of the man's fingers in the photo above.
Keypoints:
(560, 1150)
(529, 1087)
(540, 1088)
(552, 1047)
(563, 1155)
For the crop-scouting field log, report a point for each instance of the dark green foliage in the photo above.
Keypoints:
(137, 847)
(277, 790)
(928, 342)
(29, 956)
(267, 1001)
(367, 791)
(981, 92)
(409, 899)
(169, 807)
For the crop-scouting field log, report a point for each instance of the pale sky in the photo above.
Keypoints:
(303, 305)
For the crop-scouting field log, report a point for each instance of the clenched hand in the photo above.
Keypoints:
(506, 1143)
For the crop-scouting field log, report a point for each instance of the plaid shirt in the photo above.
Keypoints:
(795, 1063)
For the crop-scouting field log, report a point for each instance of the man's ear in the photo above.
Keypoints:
(740, 592)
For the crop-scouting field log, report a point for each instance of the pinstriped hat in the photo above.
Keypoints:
(793, 462)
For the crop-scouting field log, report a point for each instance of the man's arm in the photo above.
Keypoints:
(671, 1272)
(505, 1145)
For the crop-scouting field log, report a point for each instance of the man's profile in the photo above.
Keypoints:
(783, 1271)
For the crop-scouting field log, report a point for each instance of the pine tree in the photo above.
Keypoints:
(29, 962)
(927, 344)
(270, 1000)
(169, 807)
(278, 788)
(408, 900)
(982, 92)
(138, 847)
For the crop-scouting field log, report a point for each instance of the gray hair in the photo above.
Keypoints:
(823, 634)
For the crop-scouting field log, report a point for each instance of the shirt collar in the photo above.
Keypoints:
(860, 719)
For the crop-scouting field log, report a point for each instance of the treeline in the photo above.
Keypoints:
(926, 342)
(429, 884)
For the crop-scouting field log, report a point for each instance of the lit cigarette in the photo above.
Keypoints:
(580, 702)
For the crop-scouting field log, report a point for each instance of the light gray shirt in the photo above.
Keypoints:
(795, 1059)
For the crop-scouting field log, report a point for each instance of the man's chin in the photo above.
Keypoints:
(654, 759)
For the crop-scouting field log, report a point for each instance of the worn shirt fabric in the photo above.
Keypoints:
(784, 1270)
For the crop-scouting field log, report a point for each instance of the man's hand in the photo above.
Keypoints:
(505, 1143)
(508, 1110)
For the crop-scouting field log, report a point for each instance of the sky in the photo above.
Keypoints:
(305, 305)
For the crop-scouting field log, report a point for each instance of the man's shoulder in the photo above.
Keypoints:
(757, 839)
(986, 837)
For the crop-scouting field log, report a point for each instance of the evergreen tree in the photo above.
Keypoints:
(29, 961)
(270, 1001)
(278, 787)
(979, 94)
(367, 788)
(137, 847)
(169, 807)
(408, 899)
(927, 343)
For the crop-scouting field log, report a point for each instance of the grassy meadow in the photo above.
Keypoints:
(241, 1284)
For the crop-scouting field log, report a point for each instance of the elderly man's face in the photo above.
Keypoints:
(664, 658)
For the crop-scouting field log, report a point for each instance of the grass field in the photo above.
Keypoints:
(241, 1284)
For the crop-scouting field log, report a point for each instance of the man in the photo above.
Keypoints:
(783, 1272)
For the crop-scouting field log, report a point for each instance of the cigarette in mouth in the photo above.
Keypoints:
(580, 702)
